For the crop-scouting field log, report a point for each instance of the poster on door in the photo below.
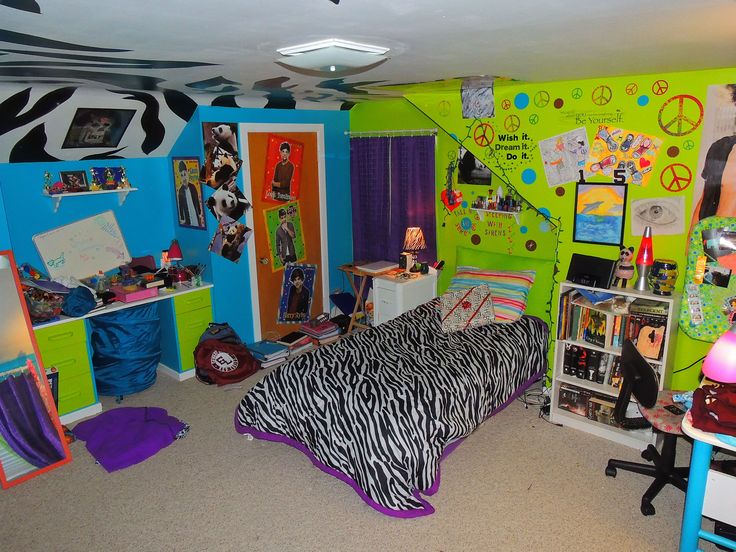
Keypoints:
(285, 235)
(297, 291)
(283, 169)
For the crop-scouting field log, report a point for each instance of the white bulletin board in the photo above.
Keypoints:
(83, 248)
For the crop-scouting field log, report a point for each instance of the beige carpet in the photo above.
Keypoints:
(517, 483)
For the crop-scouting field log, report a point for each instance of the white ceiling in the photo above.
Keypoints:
(430, 40)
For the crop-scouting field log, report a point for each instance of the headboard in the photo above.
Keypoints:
(542, 288)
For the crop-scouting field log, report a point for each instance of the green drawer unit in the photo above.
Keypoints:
(183, 321)
(65, 347)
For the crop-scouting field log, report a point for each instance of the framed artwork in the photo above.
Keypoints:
(106, 178)
(94, 127)
(283, 169)
(74, 181)
(296, 293)
(188, 190)
(285, 235)
(470, 170)
(600, 211)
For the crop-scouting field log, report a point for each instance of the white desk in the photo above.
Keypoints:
(709, 493)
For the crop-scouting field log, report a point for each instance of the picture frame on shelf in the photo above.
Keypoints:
(600, 213)
(107, 178)
(74, 181)
(94, 127)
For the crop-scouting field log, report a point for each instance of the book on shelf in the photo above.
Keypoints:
(594, 330)
(648, 306)
(591, 364)
(647, 331)
(573, 399)
(600, 409)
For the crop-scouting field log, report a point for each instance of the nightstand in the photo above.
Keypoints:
(393, 296)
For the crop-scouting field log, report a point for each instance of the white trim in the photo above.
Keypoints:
(85, 412)
(323, 270)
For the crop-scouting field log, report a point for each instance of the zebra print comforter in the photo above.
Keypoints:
(380, 408)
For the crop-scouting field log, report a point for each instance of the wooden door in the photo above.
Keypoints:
(269, 269)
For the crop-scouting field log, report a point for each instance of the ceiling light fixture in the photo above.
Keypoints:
(334, 57)
(332, 43)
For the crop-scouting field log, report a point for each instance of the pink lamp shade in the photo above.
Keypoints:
(720, 363)
(645, 256)
(175, 253)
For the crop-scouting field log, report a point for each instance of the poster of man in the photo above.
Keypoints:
(285, 236)
(296, 293)
(188, 192)
(283, 169)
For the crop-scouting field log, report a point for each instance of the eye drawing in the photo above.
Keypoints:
(657, 211)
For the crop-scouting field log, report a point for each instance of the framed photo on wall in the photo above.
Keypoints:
(188, 192)
(600, 211)
(74, 181)
(94, 127)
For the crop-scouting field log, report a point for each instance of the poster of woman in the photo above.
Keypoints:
(296, 293)
(715, 180)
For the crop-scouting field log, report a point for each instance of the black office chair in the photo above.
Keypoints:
(640, 379)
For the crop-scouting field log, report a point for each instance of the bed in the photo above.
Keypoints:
(381, 408)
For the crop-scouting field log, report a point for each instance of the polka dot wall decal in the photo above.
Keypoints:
(531, 245)
(466, 223)
(475, 239)
(521, 100)
(454, 136)
(642, 100)
(464, 204)
(559, 102)
(523, 229)
(545, 212)
(544, 226)
(673, 151)
(560, 191)
(529, 176)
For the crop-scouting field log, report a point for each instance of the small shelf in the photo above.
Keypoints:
(122, 193)
(482, 213)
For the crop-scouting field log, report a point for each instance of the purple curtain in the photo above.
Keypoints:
(393, 186)
(25, 423)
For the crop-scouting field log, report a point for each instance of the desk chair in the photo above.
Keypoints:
(640, 379)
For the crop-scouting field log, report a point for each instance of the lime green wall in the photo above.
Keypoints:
(661, 105)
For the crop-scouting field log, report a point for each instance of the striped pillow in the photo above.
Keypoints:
(509, 290)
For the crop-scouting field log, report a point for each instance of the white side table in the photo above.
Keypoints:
(393, 296)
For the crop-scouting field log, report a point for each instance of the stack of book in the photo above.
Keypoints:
(297, 342)
(268, 353)
(322, 332)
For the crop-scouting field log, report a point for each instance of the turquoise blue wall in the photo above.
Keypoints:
(148, 217)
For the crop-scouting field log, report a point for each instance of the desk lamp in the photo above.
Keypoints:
(644, 260)
(413, 242)
(176, 255)
(720, 363)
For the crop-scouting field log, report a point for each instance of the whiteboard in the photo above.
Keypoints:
(83, 248)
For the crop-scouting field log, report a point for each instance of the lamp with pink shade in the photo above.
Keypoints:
(720, 363)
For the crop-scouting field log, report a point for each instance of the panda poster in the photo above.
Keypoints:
(296, 293)
(285, 235)
(283, 169)
(221, 159)
(230, 239)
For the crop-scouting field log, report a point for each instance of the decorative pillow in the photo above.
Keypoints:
(508, 289)
(466, 308)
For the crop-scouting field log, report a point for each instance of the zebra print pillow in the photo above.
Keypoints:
(381, 408)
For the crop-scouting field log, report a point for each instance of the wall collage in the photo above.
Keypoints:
(554, 148)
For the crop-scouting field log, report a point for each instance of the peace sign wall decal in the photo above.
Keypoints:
(680, 115)
(676, 177)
